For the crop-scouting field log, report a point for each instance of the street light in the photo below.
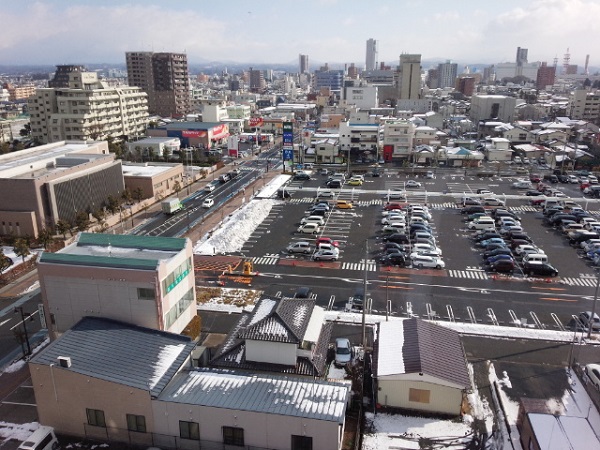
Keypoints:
(24, 317)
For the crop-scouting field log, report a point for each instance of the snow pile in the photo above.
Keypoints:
(17, 260)
(398, 431)
(19, 432)
(235, 230)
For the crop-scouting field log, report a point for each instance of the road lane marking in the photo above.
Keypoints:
(548, 288)
(555, 299)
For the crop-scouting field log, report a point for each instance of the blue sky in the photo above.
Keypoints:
(267, 31)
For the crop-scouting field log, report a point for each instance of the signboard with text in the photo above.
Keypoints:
(288, 135)
(288, 154)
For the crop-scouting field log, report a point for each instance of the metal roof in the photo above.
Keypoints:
(118, 352)
(132, 241)
(98, 261)
(419, 346)
(286, 396)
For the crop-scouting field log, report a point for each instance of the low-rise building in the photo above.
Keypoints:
(398, 139)
(194, 134)
(153, 179)
(143, 280)
(360, 141)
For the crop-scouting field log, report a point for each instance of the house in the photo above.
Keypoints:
(460, 157)
(420, 366)
(498, 150)
(144, 280)
(116, 382)
(286, 335)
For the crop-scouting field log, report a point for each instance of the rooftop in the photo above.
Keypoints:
(191, 125)
(114, 351)
(145, 169)
(287, 396)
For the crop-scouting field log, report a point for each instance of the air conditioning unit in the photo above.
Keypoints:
(64, 361)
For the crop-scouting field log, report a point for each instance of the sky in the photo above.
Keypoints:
(265, 31)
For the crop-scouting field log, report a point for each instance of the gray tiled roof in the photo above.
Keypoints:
(118, 352)
(267, 394)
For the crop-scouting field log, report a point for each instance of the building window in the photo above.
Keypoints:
(189, 430)
(95, 417)
(136, 423)
(301, 442)
(179, 308)
(175, 277)
(146, 294)
(418, 395)
(233, 436)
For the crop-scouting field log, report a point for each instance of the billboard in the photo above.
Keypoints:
(193, 133)
(288, 155)
(288, 135)
(256, 121)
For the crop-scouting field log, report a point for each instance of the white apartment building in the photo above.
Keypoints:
(361, 140)
(585, 105)
(87, 109)
(142, 280)
(239, 112)
(364, 97)
(398, 139)
(496, 107)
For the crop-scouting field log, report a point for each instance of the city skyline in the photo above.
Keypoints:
(80, 32)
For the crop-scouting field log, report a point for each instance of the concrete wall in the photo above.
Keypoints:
(443, 399)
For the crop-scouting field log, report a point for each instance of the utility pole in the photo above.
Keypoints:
(364, 329)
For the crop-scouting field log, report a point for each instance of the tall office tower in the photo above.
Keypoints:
(447, 74)
(545, 76)
(409, 77)
(61, 76)
(165, 78)
(353, 72)
(257, 80)
(521, 56)
(304, 64)
(371, 60)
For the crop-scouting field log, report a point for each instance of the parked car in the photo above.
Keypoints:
(399, 238)
(540, 269)
(492, 202)
(421, 261)
(303, 292)
(586, 319)
(593, 373)
(327, 193)
(326, 255)
(309, 228)
(412, 184)
(326, 240)
(502, 265)
(393, 205)
(343, 204)
(299, 247)
(343, 352)
(496, 252)
(314, 219)
(334, 184)
(393, 259)
(301, 176)
(354, 182)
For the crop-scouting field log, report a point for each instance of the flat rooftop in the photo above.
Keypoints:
(145, 170)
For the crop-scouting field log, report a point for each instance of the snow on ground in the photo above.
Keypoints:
(397, 431)
(19, 432)
(16, 365)
(17, 260)
(271, 189)
(230, 235)
(231, 300)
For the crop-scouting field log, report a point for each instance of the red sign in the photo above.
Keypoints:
(220, 131)
(193, 133)
(256, 121)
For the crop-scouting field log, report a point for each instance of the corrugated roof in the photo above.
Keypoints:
(118, 352)
(428, 348)
(286, 396)
(132, 241)
(98, 261)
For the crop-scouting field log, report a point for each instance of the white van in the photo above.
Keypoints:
(482, 223)
(42, 439)
(535, 258)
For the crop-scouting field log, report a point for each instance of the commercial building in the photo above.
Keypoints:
(585, 105)
(257, 81)
(153, 179)
(304, 64)
(142, 280)
(372, 55)
(194, 134)
(447, 74)
(466, 86)
(165, 78)
(361, 140)
(153, 148)
(398, 137)
(61, 76)
(53, 182)
(116, 382)
(409, 77)
(363, 97)
(545, 76)
(497, 107)
(87, 110)
(325, 78)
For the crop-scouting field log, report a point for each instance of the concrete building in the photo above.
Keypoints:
(500, 107)
(61, 76)
(585, 105)
(512, 69)
(332, 79)
(87, 110)
(409, 77)
(364, 97)
(142, 280)
(398, 137)
(165, 78)
(118, 382)
(154, 179)
(446, 73)
(545, 76)
(53, 182)
(303, 63)
(361, 140)
(18, 93)
(372, 55)
(194, 134)
(153, 148)
(466, 86)
(256, 81)
(420, 366)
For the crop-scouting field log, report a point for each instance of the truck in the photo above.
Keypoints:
(171, 206)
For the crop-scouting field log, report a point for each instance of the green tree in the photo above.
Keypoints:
(112, 204)
(82, 221)
(139, 156)
(21, 248)
(166, 154)
(4, 261)
(138, 194)
(126, 196)
(177, 188)
(62, 227)
(99, 215)
(4, 148)
(45, 237)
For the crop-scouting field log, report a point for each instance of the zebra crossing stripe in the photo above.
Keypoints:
(472, 274)
(588, 282)
(358, 266)
(265, 261)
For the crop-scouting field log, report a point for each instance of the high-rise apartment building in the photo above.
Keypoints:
(466, 85)
(521, 56)
(447, 74)
(87, 109)
(545, 76)
(372, 54)
(303, 63)
(165, 78)
(256, 80)
(409, 77)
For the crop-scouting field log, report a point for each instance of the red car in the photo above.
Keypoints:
(534, 178)
(391, 206)
(326, 240)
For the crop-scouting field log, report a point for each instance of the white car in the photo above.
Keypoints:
(327, 193)
(573, 179)
(593, 373)
(326, 255)
(343, 352)
(491, 201)
(394, 227)
(395, 194)
(208, 202)
(209, 188)
(393, 218)
(525, 249)
(592, 179)
(412, 184)
(421, 261)
(313, 219)
(309, 228)
(426, 248)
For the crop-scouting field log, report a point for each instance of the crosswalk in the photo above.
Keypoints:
(524, 208)
(371, 266)
(584, 281)
(472, 274)
(265, 260)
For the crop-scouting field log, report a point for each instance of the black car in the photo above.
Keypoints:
(390, 247)
(398, 238)
(301, 176)
(518, 236)
(582, 236)
(394, 259)
(472, 209)
(303, 292)
(533, 193)
(563, 178)
(334, 184)
(502, 265)
(376, 173)
(498, 251)
(496, 213)
(419, 227)
(539, 269)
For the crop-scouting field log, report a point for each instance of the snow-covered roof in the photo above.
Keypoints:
(563, 432)
(272, 395)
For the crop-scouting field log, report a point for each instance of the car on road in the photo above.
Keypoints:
(301, 176)
(539, 269)
(412, 184)
(336, 184)
(208, 202)
(325, 193)
(422, 261)
(533, 193)
(209, 187)
(395, 194)
(309, 228)
(468, 201)
(343, 352)
(393, 259)
(326, 255)
(492, 202)
(354, 182)
(320, 205)
(224, 178)
(522, 184)
(593, 373)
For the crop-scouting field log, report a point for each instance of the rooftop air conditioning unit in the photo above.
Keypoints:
(64, 361)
